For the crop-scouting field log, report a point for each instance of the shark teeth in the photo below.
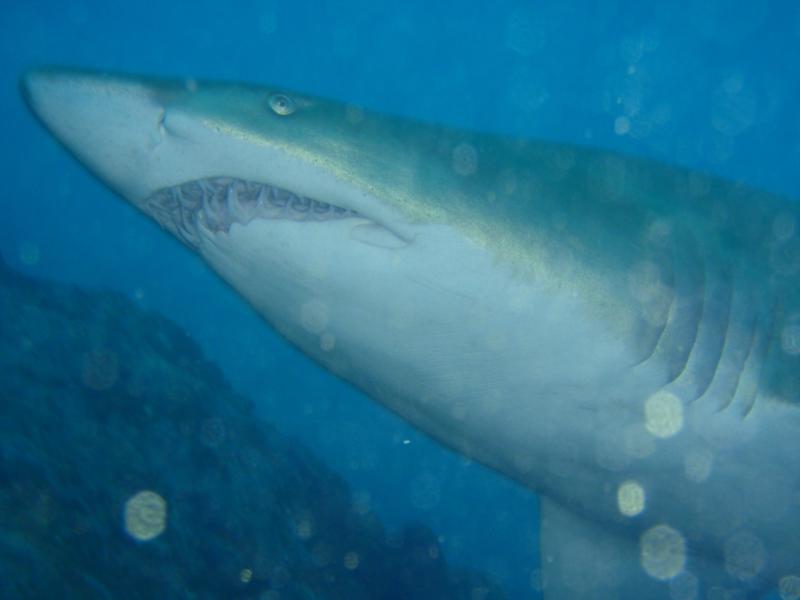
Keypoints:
(219, 202)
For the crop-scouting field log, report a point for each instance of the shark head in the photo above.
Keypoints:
(354, 234)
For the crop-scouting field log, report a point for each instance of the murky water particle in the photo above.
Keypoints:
(697, 465)
(784, 226)
(213, 432)
(465, 159)
(354, 114)
(745, 555)
(145, 515)
(351, 561)
(663, 414)
(789, 587)
(790, 338)
(662, 552)
(304, 529)
(29, 253)
(314, 316)
(622, 125)
(630, 498)
(100, 369)
(327, 341)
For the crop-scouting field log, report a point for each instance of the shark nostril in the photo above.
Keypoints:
(162, 121)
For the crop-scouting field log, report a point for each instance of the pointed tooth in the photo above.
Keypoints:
(280, 198)
(301, 204)
(262, 200)
(321, 209)
(235, 209)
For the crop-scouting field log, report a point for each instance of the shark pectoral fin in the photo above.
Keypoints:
(582, 559)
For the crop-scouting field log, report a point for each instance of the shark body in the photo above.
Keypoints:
(620, 336)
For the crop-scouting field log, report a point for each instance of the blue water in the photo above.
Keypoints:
(711, 85)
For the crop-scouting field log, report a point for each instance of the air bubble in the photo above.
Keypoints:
(663, 552)
(630, 499)
(145, 515)
(663, 414)
(789, 587)
(29, 254)
(745, 556)
(622, 125)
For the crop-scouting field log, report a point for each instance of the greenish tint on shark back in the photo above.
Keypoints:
(566, 216)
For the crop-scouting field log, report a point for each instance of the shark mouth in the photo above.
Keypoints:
(217, 203)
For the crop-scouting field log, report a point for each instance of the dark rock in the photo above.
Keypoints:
(104, 407)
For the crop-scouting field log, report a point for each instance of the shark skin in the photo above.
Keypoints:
(618, 335)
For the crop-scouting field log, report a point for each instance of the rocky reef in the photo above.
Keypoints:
(130, 469)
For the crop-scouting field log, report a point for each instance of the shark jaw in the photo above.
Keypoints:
(576, 320)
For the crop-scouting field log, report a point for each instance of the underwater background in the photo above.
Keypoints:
(713, 86)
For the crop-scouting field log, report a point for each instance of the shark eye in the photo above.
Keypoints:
(282, 104)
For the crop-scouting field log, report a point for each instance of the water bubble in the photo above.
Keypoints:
(100, 369)
(785, 256)
(645, 282)
(29, 253)
(622, 125)
(212, 432)
(638, 442)
(465, 159)
(734, 107)
(630, 498)
(663, 552)
(745, 555)
(663, 413)
(790, 336)
(304, 527)
(784, 227)
(789, 587)
(145, 515)
(327, 341)
(314, 316)
(351, 561)
(697, 465)
(362, 502)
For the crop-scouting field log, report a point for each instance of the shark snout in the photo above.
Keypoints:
(111, 123)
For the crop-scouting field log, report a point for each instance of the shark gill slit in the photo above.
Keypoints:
(677, 337)
(218, 202)
(738, 342)
(706, 352)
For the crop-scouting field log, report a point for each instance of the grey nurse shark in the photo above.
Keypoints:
(620, 336)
